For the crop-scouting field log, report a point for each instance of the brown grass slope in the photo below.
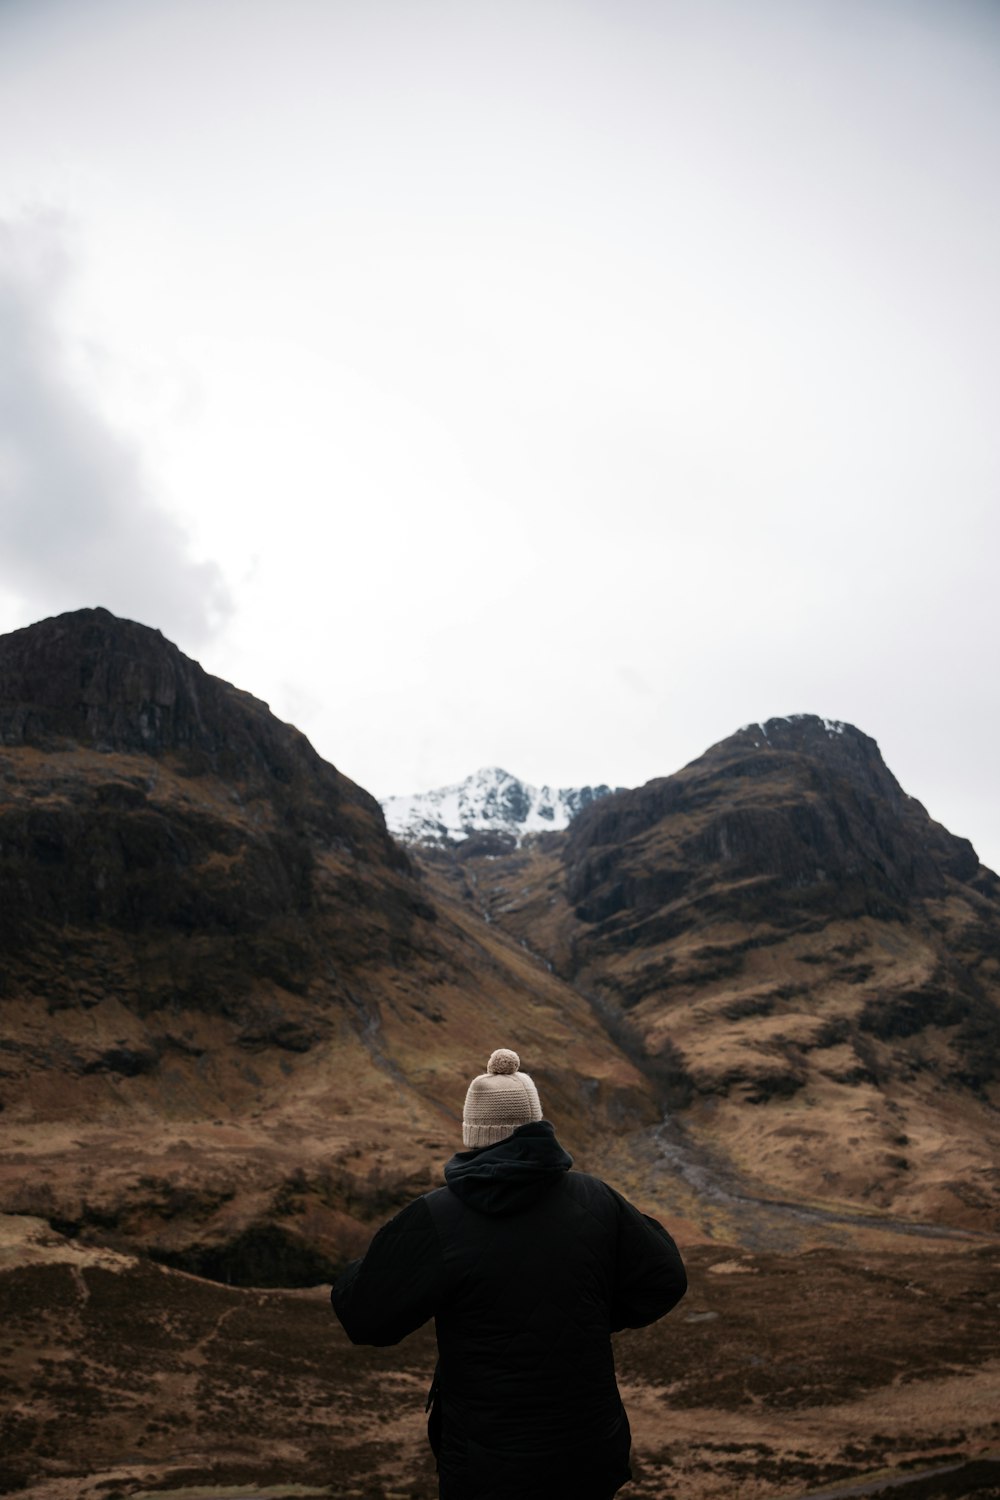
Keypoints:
(777, 1374)
(802, 960)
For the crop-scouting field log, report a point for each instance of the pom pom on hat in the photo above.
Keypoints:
(503, 1061)
(499, 1101)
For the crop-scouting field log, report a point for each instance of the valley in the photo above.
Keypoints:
(237, 1020)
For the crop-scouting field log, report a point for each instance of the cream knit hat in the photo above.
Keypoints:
(498, 1101)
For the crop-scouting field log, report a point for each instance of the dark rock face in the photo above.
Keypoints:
(791, 817)
(263, 1255)
(162, 835)
(580, 797)
(88, 679)
(772, 837)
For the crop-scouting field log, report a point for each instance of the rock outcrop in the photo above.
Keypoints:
(175, 816)
(784, 819)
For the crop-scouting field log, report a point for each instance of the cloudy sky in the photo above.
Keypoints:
(556, 384)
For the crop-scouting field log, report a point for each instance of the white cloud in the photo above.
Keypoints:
(79, 523)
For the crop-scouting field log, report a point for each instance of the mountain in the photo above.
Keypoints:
(235, 1025)
(802, 958)
(491, 803)
(237, 1020)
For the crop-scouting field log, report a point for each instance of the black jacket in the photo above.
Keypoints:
(527, 1269)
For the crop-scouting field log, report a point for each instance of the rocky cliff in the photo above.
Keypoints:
(158, 806)
(784, 819)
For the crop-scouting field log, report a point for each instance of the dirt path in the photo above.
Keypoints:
(759, 1216)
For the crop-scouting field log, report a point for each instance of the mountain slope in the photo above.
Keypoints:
(808, 964)
(235, 1026)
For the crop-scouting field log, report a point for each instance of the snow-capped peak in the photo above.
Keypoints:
(491, 801)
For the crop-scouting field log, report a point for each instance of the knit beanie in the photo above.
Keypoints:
(498, 1101)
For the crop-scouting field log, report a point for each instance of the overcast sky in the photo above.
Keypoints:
(550, 385)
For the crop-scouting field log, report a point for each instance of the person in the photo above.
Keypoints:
(527, 1268)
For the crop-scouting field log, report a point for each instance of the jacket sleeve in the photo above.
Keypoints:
(649, 1274)
(396, 1285)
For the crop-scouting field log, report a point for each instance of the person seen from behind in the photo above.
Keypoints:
(527, 1268)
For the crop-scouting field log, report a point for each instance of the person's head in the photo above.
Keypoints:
(498, 1101)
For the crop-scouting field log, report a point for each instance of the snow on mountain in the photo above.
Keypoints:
(491, 801)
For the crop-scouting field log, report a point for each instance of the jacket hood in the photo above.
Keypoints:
(513, 1174)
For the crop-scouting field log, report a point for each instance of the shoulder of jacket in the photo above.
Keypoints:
(588, 1181)
(593, 1190)
(412, 1218)
(442, 1206)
